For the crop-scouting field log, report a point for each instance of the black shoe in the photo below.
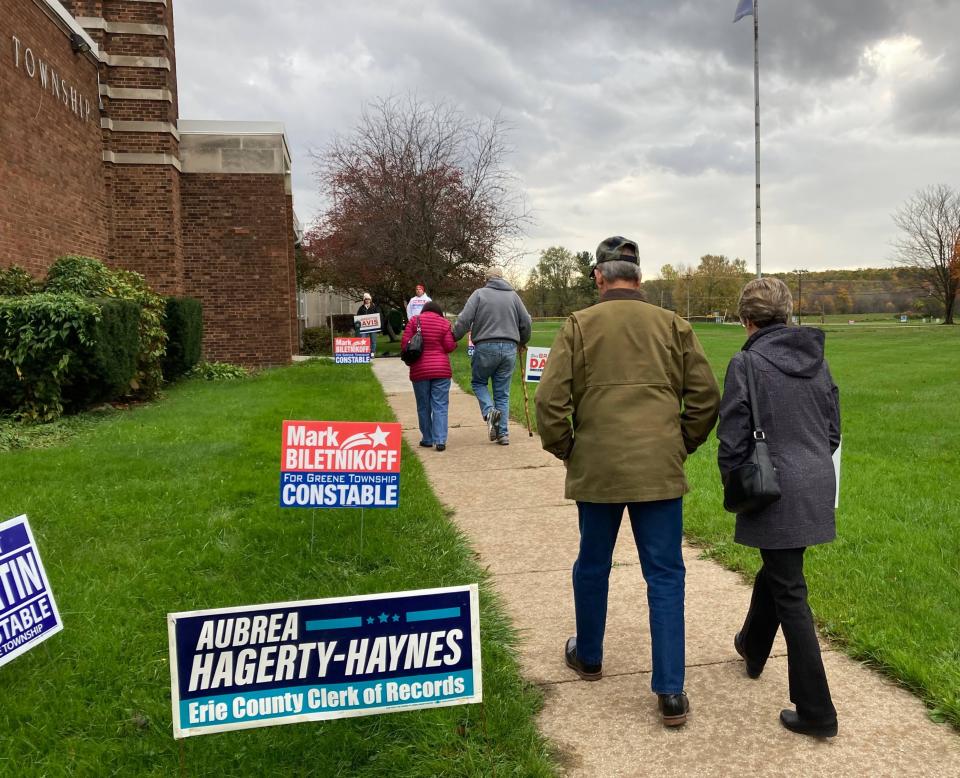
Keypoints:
(752, 670)
(585, 671)
(441, 446)
(673, 709)
(424, 444)
(794, 723)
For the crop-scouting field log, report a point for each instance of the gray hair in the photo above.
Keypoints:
(618, 270)
(494, 271)
(765, 301)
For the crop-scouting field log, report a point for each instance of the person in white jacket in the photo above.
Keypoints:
(415, 305)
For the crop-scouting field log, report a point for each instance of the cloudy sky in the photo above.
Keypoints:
(629, 117)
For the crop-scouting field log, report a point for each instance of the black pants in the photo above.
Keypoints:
(780, 600)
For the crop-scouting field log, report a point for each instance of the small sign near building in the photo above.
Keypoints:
(340, 464)
(28, 613)
(351, 351)
(284, 663)
(535, 363)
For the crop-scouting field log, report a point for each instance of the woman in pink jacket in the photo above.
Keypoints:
(431, 374)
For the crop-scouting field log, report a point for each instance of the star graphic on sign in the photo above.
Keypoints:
(378, 438)
(383, 618)
(370, 620)
(396, 617)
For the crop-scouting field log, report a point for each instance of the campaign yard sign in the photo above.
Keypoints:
(369, 322)
(28, 613)
(340, 464)
(284, 663)
(351, 351)
(536, 362)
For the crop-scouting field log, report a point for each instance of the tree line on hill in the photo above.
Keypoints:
(560, 283)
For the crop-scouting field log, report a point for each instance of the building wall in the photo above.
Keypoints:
(52, 188)
(138, 86)
(239, 263)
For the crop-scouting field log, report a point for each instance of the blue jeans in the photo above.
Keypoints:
(433, 399)
(658, 531)
(494, 359)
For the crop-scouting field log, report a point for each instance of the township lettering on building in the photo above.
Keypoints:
(28, 613)
(340, 464)
(34, 67)
(283, 663)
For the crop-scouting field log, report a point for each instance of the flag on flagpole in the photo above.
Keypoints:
(744, 8)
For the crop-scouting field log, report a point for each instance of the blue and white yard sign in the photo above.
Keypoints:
(28, 613)
(284, 663)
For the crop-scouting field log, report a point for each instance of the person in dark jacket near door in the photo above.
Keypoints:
(800, 415)
(431, 374)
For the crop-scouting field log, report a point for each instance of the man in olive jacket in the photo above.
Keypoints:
(626, 396)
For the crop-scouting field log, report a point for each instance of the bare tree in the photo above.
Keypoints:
(417, 193)
(930, 242)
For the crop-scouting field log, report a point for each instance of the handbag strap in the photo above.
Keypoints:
(418, 327)
(752, 395)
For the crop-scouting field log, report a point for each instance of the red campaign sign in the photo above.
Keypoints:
(351, 345)
(340, 447)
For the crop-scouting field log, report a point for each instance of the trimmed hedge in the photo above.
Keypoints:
(343, 323)
(89, 277)
(63, 347)
(109, 362)
(183, 321)
(317, 341)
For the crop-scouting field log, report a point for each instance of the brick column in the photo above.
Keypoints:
(141, 144)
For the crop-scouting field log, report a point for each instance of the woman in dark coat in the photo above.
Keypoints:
(800, 416)
(431, 374)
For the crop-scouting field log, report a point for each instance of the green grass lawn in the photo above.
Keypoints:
(173, 507)
(889, 588)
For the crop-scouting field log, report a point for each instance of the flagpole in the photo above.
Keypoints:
(756, 115)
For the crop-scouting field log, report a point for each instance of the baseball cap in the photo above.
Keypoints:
(611, 250)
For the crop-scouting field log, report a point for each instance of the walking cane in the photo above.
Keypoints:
(523, 383)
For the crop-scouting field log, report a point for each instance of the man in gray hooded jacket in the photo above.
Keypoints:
(499, 323)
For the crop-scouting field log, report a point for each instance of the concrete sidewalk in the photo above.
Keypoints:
(509, 502)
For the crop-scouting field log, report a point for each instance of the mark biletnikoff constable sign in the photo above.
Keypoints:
(283, 663)
(340, 464)
(28, 613)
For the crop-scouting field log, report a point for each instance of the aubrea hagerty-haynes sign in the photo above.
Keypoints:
(264, 665)
(28, 614)
(340, 464)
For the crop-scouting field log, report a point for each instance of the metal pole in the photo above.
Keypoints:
(756, 115)
(799, 295)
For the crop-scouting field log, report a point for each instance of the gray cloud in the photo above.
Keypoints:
(626, 116)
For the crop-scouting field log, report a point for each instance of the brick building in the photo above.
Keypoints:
(94, 159)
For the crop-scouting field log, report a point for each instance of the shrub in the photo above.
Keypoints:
(317, 340)
(85, 276)
(89, 277)
(218, 371)
(343, 323)
(128, 285)
(49, 342)
(183, 321)
(395, 318)
(108, 362)
(17, 281)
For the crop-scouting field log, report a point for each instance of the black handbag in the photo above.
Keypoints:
(754, 484)
(414, 348)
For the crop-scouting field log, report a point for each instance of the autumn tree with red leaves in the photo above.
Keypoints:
(418, 193)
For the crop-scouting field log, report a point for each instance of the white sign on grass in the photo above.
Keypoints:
(536, 362)
(289, 662)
